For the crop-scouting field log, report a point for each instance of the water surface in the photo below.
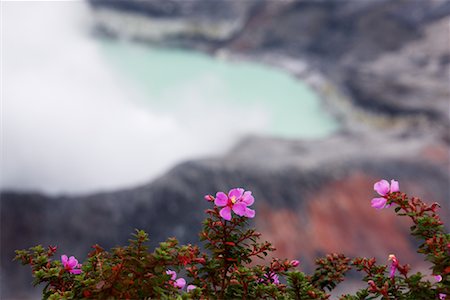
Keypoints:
(176, 80)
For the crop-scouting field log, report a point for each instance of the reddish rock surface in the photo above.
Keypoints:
(438, 153)
(339, 218)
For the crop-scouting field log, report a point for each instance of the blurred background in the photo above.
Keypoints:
(123, 114)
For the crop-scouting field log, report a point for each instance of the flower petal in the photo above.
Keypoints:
(75, 271)
(394, 186)
(239, 209)
(221, 199)
(73, 262)
(191, 287)
(226, 213)
(180, 283)
(237, 193)
(392, 271)
(172, 274)
(249, 213)
(378, 203)
(64, 259)
(272, 277)
(381, 187)
(247, 198)
(275, 279)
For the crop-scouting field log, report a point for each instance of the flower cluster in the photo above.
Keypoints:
(178, 283)
(228, 269)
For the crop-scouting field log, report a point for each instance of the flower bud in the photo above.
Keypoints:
(373, 287)
(295, 263)
(434, 207)
(209, 198)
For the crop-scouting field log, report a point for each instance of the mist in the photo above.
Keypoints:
(70, 124)
(74, 120)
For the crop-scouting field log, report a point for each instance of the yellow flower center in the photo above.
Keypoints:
(233, 199)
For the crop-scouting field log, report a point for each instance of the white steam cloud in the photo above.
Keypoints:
(69, 122)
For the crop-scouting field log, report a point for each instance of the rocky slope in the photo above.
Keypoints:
(382, 69)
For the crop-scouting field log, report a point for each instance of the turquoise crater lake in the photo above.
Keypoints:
(248, 98)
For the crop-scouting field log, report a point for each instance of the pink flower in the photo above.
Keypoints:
(394, 265)
(438, 278)
(71, 264)
(178, 283)
(237, 201)
(295, 263)
(191, 287)
(442, 296)
(271, 277)
(383, 188)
